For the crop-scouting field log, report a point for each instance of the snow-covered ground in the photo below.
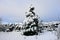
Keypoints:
(18, 36)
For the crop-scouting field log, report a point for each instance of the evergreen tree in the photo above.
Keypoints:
(31, 23)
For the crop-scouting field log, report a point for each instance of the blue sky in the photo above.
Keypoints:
(14, 10)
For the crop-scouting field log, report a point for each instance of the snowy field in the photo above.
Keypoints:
(18, 36)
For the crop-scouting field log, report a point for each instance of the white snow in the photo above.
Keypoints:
(18, 36)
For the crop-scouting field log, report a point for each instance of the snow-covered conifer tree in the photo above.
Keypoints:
(31, 22)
